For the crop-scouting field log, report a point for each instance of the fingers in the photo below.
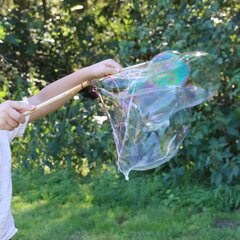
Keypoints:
(14, 119)
(7, 127)
(112, 64)
(110, 71)
(104, 68)
(16, 116)
(8, 123)
(21, 107)
(111, 67)
(11, 114)
(12, 123)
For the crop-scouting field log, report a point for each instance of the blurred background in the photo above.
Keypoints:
(64, 168)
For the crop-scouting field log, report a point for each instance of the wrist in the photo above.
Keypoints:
(86, 74)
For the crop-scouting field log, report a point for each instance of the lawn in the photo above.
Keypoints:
(61, 205)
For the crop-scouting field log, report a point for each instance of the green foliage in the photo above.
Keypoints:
(229, 197)
(44, 40)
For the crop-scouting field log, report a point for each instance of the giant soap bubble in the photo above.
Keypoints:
(149, 106)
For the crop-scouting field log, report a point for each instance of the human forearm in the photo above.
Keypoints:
(60, 86)
(65, 84)
(85, 74)
(57, 88)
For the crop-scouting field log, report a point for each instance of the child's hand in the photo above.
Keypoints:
(11, 114)
(104, 68)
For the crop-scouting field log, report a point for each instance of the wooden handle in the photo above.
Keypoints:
(71, 92)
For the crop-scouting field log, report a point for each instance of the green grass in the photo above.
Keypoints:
(62, 206)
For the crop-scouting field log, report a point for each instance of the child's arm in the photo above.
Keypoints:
(85, 74)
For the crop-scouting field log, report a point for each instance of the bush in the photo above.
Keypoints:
(40, 43)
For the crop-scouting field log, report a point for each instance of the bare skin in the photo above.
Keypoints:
(11, 112)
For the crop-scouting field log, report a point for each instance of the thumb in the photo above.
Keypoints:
(22, 107)
(111, 70)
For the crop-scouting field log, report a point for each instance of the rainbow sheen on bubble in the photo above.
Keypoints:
(149, 106)
(161, 71)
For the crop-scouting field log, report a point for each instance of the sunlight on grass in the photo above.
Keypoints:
(23, 207)
(107, 207)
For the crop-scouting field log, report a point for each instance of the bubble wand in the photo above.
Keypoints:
(73, 91)
(150, 105)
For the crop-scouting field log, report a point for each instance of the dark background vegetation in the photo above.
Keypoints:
(41, 41)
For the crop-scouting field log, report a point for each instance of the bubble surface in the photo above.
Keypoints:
(149, 106)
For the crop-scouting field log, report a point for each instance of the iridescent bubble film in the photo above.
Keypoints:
(149, 106)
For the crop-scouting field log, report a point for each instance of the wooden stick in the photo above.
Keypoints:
(71, 92)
